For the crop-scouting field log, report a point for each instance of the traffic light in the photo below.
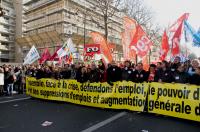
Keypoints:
(1, 12)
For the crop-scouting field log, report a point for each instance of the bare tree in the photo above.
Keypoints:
(137, 10)
(108, 8)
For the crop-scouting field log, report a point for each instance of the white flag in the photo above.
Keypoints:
(66, 49)
(70, 45)
(32, 56)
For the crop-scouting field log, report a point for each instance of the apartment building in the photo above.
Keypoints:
(48, 23)
(7, 32)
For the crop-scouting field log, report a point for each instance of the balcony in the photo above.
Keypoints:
(7, 31)
(27, 1)
(39, 4)
(31, 18)
(4, 21)
(4, 30)
(8, 1)
(4, 47)
(7, 56)
(6, 39)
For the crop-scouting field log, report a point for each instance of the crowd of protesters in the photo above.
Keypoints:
(164, 72)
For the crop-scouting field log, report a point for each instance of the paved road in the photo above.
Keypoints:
(24, 114)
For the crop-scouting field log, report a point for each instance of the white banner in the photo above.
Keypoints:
(32, 56)
(67, 48)
(1, 79)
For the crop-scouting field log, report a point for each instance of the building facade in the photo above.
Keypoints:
(7, 32)
(48, 23)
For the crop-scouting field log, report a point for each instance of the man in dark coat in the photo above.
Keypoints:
(164, 74)
(175, 64)
(140, 75)
(127, 72)
(114, 73)
(195, 78)
(94, 75)
(66, 72)
(180, 76)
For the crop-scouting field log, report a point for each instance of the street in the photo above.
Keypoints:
(21, 113)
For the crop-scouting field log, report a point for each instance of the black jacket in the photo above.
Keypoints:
(39, 74)
(66, 74)
(140, 76)
(47, 74)
(127, 74)
(56, 75)
(195, 79)
(94, 76)
(31, 73)
(82, 77)
(165, 76)
(180, 77)
(114, 74)
(174, 67)
(8, 77)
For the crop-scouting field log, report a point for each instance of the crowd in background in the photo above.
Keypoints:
(164, 72)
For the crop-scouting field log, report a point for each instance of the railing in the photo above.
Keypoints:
(33, 17)
(4, 30)
(7, 39)
(4, 21)
(4, 47)
(38, 4)
(4, 56)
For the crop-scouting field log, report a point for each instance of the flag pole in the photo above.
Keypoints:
(149, 56)
(136, 58)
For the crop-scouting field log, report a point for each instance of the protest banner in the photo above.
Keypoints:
(176, 100)
(122, 95)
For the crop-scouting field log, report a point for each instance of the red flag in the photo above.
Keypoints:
(141, 43)
(105, 49)
(127, 36)
(165, 46)
(45, 56)
(54, 55)
(175, 26)
(176, 41)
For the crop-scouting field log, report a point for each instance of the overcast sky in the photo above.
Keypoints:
(167, 12)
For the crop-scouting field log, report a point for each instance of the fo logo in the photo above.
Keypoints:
(92, 49)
